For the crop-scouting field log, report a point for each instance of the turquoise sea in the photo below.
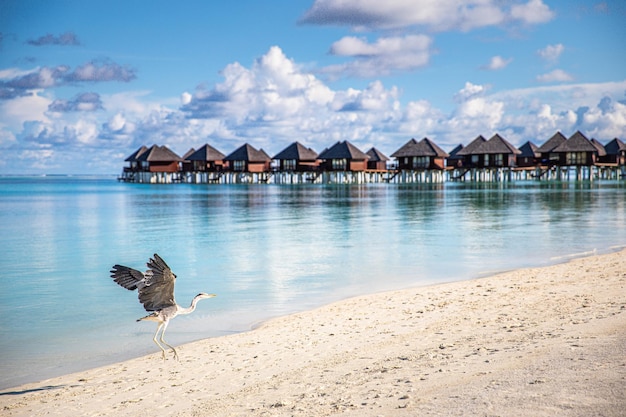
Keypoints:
(266, 250)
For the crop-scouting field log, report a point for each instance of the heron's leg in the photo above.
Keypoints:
(155, 339)
(165, 343)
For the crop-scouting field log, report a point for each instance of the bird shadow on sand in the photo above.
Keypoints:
(31, 390)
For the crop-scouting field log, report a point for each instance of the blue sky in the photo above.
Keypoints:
(83, 83)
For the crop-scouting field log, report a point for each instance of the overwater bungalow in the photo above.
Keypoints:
(421, 155)
(159, 159)
(454, 160)
(546, 151)
(576, 151)
(343, 156)
(297, 157)
(601, 151)
(615, 153)
(377, 161)
(133, 161)
(497, 152)
(205, 159)
(247, 158)
(467, 157)
(529, 156)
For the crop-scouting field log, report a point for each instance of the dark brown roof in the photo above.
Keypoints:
(376, 155)
(248, 153)
(599, 147)
(206, 153)
(297, 151)
(576, 143)
(158, 153)
(454, 152)
(557, 139)
(497, 144)
(473, 145)
(614, 147)
(343, 150)
(529, 150)
(189, 152)
(424, 147)
(136, 154)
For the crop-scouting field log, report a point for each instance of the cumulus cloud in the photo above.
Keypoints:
(82, 102)
(551, 53)
(497, 63)
(64, 39)
(557, 75)
(436, 15)
(386, 55)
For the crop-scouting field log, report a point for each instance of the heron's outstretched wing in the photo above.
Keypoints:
(158, 292)
(128, 278)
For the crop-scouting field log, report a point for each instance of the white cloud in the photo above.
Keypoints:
(469, 91)
(436, 15)
(551, 53)
(497, 63)
(14, 113)
(533, 12)
(386, 55)
(557, 75)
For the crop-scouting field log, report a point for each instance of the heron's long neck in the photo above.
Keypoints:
(191, 308)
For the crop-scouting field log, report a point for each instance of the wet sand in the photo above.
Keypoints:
(541, 341)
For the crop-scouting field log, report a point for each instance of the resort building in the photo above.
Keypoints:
(546, 151)
(343, 156)
(205, 159)
(297, 157)
(466, 156)
(529, 156)
(247, 158)
(576, 151)
(615, 153)
(493, 160)
(377, 160)
(421, 155)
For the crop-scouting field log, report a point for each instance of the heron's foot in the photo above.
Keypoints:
(175, 354)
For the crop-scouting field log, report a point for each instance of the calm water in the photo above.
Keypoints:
(266, 250)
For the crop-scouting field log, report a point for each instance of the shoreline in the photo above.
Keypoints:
(518, 342)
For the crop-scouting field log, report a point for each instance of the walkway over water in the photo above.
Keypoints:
(505, 174)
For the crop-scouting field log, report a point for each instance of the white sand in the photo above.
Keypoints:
(541, 342)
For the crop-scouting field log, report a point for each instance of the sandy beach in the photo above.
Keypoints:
(544, 342)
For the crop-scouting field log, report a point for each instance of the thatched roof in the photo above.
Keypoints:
(376, 155)
(473, 145)
(297, 151)
(158, 153)
(529, 150)
(206, 153)
(248, 153)
(599, 147)
(133, 157)
(576, 143)
(343, 150)
(556, 140)
(614, 147)
(496, 145)
(424, 147)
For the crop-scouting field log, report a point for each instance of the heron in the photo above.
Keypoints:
(156, 293)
